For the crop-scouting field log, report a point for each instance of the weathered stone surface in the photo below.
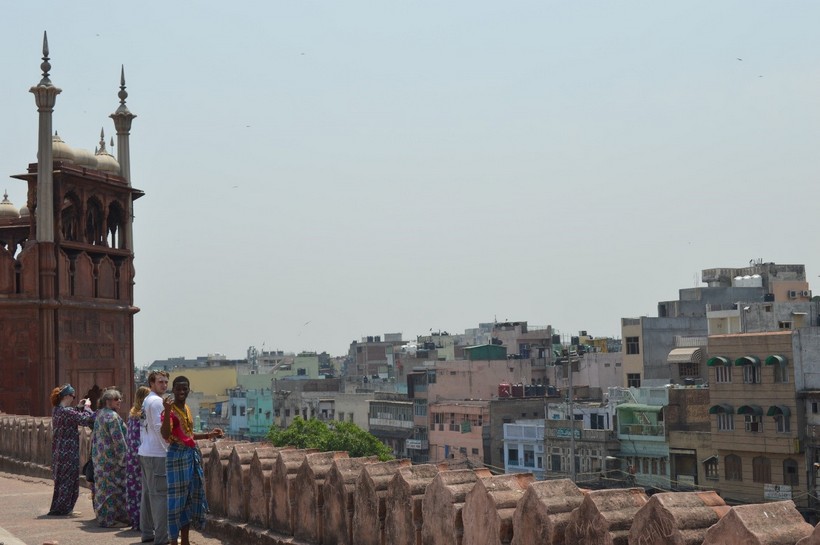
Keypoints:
(369, 497)
(309, 501)
(812, 539)
(443, 501)
(489, 508)
(604, 517)
(776, 523)
(543, 513)
(677, 518)
(216, 475)
(238, 485)
(282, 494)
(339, 487)
(259, 487)
(403, 504)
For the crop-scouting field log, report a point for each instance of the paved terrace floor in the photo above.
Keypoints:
(24, 502)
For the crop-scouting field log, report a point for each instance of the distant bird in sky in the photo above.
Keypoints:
(306, 323)
(739, 59)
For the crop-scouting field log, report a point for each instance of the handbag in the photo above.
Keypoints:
(88, 471)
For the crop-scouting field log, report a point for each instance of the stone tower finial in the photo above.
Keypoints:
(45, 66)
(102, 141)
(123, 94)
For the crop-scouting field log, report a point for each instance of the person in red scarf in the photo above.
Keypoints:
(186, 481)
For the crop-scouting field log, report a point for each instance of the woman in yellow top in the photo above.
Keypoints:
(183, 463)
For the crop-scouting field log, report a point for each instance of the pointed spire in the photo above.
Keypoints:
(112, 143)
(45, 66)
(101, 150)
(123, 94)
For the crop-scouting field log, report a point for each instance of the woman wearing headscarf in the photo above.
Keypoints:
(186, 484)
(133, 475)
(65, 448)
(108, 455)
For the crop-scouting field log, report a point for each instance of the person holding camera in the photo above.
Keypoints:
(65, 448)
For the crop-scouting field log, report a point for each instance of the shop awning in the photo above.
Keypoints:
(750, 409)
(776, 359)
(747, 360)
(718, 360)
(685, 355)
(721, 408)
(778, 410)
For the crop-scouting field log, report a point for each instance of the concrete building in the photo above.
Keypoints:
(642, 433)
(524, 447)
(391, 421)
(758, 423)
(648, 341)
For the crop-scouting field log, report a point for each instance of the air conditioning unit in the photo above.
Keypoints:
(805, 293)
(792, 294)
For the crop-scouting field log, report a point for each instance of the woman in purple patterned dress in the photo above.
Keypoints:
(65, 449)
(133, 477)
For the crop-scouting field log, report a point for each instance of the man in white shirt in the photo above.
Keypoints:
(152, 451)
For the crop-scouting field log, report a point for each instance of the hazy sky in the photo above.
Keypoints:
(320, 171)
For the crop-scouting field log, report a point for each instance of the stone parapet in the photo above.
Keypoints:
(266, 495)
(543, 513)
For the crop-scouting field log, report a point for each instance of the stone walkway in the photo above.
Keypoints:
(24, 502)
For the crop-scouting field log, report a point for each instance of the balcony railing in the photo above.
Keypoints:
(652, 430)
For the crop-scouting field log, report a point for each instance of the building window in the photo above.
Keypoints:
(233, 410)
(815, 407)
(754, 422)
(784, 325)
(420, 407)
(633, 380)
(761, 469)
(633, 345)
(725, 422)
(711, 469)
(751, 374)
(475, 452)
(512, 455)
(242, 410)
(555, 463)
(597, 421)
(723, 374)
(782, 424)
(733, 468)
(781, 375)
(689, 369)
(790, 475)
(529, 457)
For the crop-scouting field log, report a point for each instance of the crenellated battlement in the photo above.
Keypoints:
(274, 496)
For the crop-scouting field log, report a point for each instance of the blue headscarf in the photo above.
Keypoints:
(67, 390)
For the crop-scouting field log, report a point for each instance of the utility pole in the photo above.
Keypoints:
(573, 474)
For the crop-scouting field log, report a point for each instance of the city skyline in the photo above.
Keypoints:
(319, 173)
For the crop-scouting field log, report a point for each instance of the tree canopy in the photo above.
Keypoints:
(330, 436)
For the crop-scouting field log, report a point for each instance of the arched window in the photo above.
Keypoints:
(761, 469)
(790, 474)
(733, 468)
(70, 218)
(94, 223)
(116, 223)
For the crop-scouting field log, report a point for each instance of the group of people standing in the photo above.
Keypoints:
(147, 471)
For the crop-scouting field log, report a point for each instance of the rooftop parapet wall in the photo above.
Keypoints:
(442, 505)
(431, 505)
(405, 496)
(309, 501)
(282, 494)
(776, 523)
(677, 518)
(604, 517)
(369, 511)
(216, 475)
(543, 513)
(489, 508)
(239, 480)
(339, 487)
(261, 468)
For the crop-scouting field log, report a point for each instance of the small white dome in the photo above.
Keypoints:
(60, 151)
(7, 208)
(84, 158)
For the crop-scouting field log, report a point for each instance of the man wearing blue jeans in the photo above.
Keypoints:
(152, 453)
